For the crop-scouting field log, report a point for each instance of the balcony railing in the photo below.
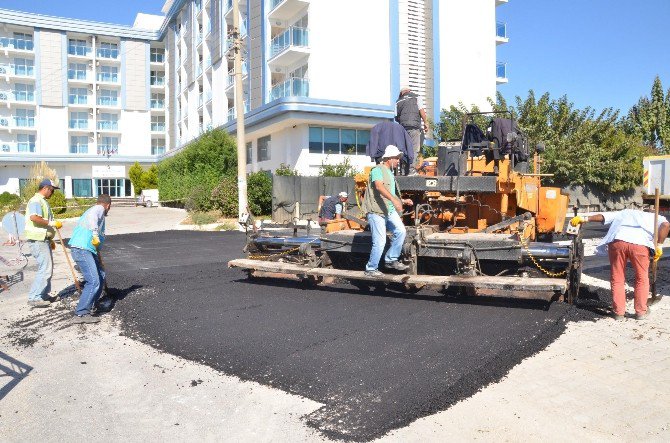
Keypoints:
(107, 77)
(78, 124)
(157, 58)
(108, 125)
(24, 122)
(76, 75)
(78, 100)
(501, 70)
(79, 50)
(157, 150)
(158, 81)
(24, 96)
(157, 104)
(107, 53)
(108, 149)
(231, 74)
(232, 112)
(293, 87)
(501, 29)
(17, 43)
(108, 101)
(157, 127)
(293, 36)
(22, 70)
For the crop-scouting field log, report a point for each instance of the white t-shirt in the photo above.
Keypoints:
(630, 225)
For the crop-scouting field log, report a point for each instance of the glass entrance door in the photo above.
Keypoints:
(115, 187)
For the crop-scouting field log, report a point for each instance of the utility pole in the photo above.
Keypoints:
(236, 36)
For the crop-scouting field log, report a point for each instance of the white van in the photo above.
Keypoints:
(148, 198)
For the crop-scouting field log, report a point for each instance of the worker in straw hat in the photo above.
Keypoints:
(383, 207)
(333, 207)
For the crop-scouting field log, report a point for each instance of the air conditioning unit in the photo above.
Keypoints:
(97, 88)
(5, 148)
(3, 96)
(3, 70)
(98, 111)
(4, 122)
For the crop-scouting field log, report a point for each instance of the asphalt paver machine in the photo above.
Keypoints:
(481, 224)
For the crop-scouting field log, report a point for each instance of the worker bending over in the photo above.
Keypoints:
(333, 207)
(383, 207)
(39, 232)
(86, 241)
(629, 238)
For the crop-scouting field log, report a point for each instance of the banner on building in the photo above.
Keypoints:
(109, 171)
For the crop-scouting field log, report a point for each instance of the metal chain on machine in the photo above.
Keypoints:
(524, 243)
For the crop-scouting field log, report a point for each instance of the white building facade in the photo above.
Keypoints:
(93, 98)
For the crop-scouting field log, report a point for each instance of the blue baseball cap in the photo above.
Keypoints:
(48, 182)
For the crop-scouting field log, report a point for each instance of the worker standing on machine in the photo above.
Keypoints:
(629, 238)
(87, 239)
(411, 114)
(333, 207)
(383, 207)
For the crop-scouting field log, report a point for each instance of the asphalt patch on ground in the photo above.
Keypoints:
(376, 361)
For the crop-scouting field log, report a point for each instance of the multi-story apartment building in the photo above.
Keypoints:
(91, 98)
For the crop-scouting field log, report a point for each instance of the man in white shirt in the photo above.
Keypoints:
(629, 238)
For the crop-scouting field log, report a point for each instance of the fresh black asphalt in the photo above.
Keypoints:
(376, 361)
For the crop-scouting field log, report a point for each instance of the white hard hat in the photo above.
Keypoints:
(343, 194)
(405, 88)
(392, 151)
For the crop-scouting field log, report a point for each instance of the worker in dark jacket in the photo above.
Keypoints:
(410, 113)
(333, 207)
(389, 133)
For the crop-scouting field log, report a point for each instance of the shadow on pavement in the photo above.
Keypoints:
(12, 372)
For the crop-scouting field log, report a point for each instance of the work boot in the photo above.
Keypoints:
(374, 273)
(616, 316)
(396, 265)
(39, 303)
(87, 318)
(643, 316)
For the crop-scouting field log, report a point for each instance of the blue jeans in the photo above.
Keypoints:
(378, 226)
(41, 251)
(94, 278)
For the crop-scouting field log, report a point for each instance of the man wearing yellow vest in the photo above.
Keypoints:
(40, 231)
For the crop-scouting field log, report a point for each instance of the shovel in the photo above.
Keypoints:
(654, 264)
(67, 257)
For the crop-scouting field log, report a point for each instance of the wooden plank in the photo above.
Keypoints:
(478, 282)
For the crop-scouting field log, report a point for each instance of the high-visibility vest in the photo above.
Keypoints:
(33, 230)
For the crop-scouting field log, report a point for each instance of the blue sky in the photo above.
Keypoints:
(601, 53)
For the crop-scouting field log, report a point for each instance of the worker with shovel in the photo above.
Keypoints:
(87, 239)
(39, 233)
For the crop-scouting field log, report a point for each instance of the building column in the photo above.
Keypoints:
(68, 186)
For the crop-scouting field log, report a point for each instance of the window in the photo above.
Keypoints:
(157, 101)
(157, 146)
(157, 78)
(24, 118)
(157, 55)
(250, 152)
(108, 97)
(114, 187)
(79, 120)
(25, 142)
(263, 148)
(23, 41)
(301, 72)
(337, 141)
(24, 66)
(24, 93)
(82, 187)
(108, 50)
(78, 47)
(78, 96)
(157, 123)
(108, 146)
(108, 121)
(109, 74)
(76, 71)
(78, 144)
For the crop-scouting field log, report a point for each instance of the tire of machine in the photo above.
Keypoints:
(574, 276)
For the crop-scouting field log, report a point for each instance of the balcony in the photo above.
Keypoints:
(105, 77)
(157, 103)
(21, 71)
(108, 102)
(16, 44)
(78, 100)
(501, 33)
(285, 9)
(17, 122)
(157, 57)
(75, 76)
(289, 47)
(23, 96)
(157, 82)
(79, 51)
(293, 87)
(78, 124)
(157, 127)
(108, 149)
(231, 75)
(107, 53)
(501, 73)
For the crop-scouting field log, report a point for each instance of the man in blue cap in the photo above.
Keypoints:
(87, 238)
(40, 230)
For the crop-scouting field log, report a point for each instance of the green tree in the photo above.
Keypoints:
(135, 174)
(649, 119)
(286, 170)
(149, 178)
(342, 169)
